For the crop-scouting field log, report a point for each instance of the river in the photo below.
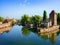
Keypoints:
(19, 35)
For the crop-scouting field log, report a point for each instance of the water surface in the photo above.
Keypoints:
(19, 35)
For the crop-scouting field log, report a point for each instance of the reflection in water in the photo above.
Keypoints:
(53, 38)
(7, 29)
(50, 36)
(25, 31)
(25, 36)
(58, 33)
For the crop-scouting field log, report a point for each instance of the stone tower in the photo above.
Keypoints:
(53, 17)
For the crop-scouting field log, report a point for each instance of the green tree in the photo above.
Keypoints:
(36, 19)
(25, 19)
(58, 18)
(13, 22)
(44, 15)
(18, 21)
(1, 19)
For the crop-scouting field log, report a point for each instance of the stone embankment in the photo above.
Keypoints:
(5, 29)
(5, 25)
(47, 30)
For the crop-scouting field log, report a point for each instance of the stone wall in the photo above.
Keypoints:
(5, 25)
(47, 30)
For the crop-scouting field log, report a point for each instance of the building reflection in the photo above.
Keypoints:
(6, 29)
(50, 36)
(53, 37)
(45, 36)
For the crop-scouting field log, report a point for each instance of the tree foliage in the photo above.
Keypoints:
(13, 22)
(44, 15)
(18, 21)
(36, 19)
(25, 19)
(58, 18)
(1, 19)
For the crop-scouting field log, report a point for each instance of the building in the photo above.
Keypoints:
(53, 17)
(7, 19)
(52, 21)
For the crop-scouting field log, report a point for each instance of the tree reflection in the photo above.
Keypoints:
(25, 31)
(44, 36)
(58, 33)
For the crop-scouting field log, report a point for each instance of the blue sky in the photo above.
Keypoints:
(16, 8)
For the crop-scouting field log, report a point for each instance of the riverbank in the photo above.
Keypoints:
(5, 25)
(47, 30)
(5, 29)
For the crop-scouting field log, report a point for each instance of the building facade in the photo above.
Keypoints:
(52, 21)
(53, 17)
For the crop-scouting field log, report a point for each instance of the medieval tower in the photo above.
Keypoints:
(53, 17)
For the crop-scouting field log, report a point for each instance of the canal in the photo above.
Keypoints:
(19, 35)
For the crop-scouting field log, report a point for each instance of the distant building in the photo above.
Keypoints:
(52, 19)
(47, 23)
(7, 19)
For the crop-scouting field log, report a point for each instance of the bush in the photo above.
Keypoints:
(1, 19)
(13, 22)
